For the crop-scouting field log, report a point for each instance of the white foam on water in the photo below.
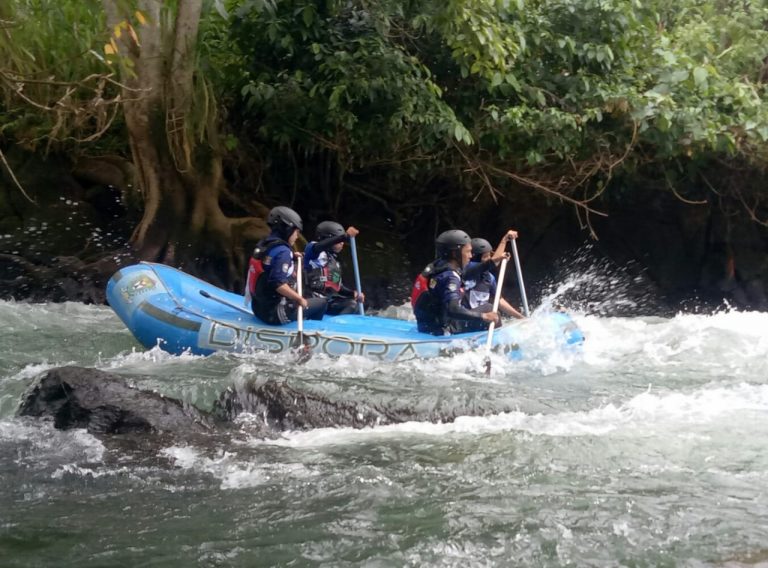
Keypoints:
(34, 369)
(402, 312)
(234, 471)
(75, 470)
(149, 359)
(64, 314)
(732, 343)
(723, 339)
(46, 442)
(646, 413)
(699, 406)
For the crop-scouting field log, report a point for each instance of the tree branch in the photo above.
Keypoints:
(13, 177)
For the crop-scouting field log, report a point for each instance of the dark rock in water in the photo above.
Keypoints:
(140, 422)
(286, 408)
(102, 403)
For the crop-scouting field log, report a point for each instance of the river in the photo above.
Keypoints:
(647, 448)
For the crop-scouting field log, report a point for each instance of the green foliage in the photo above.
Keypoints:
(329, 77)
(53, 72)
(565, 86)
(545, 89)
(705, 93)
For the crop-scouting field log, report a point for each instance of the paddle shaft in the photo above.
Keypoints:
(359, 288)
(205, 294)
(299, 286)
(496, 300)
(520, 278)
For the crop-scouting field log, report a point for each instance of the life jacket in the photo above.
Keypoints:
(478, 292)
(427, 308)
(256, 264)
(421, 284)
(325, 279)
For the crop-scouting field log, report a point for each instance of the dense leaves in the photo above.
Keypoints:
(55, 81)
(557, 95)
(553, 94)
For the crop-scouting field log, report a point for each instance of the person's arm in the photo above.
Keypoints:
(327, 244)
(351, 293)
(286, 290)
(451, 298)
(507, 309)
(455, 310)
(501, 249)
(474, 270)
(346, 292)
(504, 306)
(281, 277)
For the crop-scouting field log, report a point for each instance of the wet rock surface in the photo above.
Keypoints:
(109, 407)
(103, 404)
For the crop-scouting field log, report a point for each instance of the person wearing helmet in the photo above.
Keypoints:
(480, 280)
(271, 276)
(437, 293)
(324, 269)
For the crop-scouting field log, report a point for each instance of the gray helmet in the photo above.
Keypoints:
(283, 220)
(480, 247)
(450, 241)
(328, 229)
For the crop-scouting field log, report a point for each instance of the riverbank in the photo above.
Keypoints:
(659, 252)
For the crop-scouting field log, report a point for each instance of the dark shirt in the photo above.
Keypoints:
(435, 313)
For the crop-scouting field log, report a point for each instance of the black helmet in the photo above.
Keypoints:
(450, 241)
(328, 229)
(480, 247)
(284, 220)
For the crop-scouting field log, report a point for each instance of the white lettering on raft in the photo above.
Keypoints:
(224, 337)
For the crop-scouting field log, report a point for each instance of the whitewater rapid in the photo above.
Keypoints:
(647, 446)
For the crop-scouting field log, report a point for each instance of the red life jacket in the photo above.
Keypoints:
(256, 264)
(421, 284)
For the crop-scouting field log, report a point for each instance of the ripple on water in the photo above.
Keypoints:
(649, 447)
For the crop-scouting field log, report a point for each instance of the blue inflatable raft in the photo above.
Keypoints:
(164, 306)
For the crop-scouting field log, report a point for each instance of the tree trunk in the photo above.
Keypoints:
(180, 179)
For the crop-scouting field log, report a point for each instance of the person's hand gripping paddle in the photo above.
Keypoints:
(496, 300)
(301, 345)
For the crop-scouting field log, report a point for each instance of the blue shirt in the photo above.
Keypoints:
(446, 286)
(278, 266)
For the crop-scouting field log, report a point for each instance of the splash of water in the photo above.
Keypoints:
(587, 283)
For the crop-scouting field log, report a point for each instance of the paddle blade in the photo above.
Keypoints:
(302, 347)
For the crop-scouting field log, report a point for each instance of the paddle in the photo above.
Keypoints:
(302, 342)
(359, 288)
(496, 300)
(520, 278)
(205, 294)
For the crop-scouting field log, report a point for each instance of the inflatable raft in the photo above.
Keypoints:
(164, 306)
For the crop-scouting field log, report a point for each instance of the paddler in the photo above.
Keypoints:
(438, 292)
(271, 277)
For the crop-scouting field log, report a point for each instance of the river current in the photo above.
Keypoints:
(647, 448)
